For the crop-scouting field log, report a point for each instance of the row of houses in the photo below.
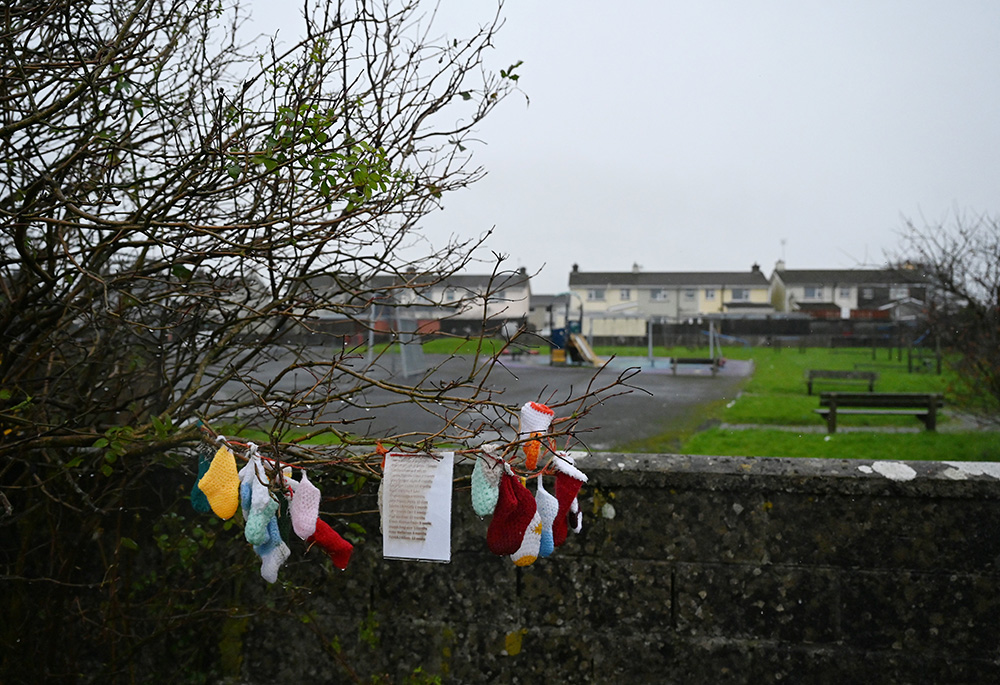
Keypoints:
(623, 303)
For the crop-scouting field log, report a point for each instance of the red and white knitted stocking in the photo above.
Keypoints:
(569, 480)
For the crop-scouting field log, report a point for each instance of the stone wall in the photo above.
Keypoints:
(688, 570)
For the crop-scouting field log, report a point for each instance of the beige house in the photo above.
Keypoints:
(620, 303)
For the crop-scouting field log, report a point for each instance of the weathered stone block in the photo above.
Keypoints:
(595, 595)
(757, 602)
(922, 613)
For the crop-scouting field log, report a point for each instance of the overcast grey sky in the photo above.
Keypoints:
(697, 136)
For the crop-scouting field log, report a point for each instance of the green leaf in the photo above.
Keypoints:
(466, 95)
(107, 470)
(129, 543)
(234, 171)
(100, 442)
(74, 462)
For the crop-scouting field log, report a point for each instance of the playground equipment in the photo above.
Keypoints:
(581, 351)
(570, 347)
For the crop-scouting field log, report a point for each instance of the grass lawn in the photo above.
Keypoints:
(971, 446)
(776, 396)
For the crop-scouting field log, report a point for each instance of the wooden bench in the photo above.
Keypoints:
(923, 406)
(841, 377)
(514, 353)
(677, 361)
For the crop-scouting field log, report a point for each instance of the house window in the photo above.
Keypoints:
(595, 294)
(868, 293)
(659, 294)
(689, 294)
(845, 293)
(625, 294)
(899, 292)
(449, 295)
(740, 294)
(813, 292)
(709, 293)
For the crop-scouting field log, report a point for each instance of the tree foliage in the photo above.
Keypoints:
(181, 208)
(961, 260)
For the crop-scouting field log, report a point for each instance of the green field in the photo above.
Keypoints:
(775, 395)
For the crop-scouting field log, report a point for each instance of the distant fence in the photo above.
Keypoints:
(766, 332)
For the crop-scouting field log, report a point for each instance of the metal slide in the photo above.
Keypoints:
(585, 350)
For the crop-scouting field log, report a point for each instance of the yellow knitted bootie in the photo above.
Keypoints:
(221, 484)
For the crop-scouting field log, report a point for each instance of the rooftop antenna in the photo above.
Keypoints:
(783, 241)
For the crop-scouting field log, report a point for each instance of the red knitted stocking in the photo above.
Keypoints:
(337, 547)
(514, 511)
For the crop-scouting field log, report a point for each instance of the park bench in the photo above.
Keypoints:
(923, 406)
(514, 353)
(841, 377)
(693, 361)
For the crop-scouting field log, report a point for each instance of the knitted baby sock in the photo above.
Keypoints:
(337, 547)
(485, 485)
(246, 475)
(528, 552)
(515, 510)
(305, 506)
(548, 508)
(198, 500)
(535, 420)
(255, 530)
(262, 507)
(569, 480)
(273, 552)
(221, 483)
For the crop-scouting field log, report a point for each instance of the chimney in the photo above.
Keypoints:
(755, 268)
(576, 268)
(779, 265)
(636, 268)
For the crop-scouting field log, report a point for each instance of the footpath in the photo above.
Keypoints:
(956, 422)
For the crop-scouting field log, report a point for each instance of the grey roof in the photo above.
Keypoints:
(817, 306)
(851, 276)
(471, 282)
(546, 300)
(653, 279)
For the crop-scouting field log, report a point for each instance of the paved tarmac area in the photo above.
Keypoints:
(659, 400)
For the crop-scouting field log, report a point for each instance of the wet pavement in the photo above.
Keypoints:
(656, 401)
